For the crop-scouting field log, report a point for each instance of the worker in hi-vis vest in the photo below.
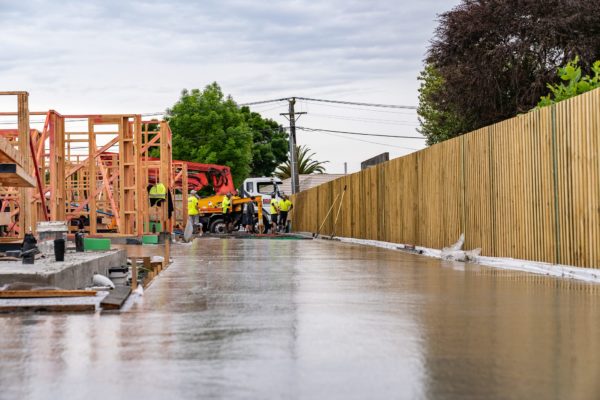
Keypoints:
(157, 194)
(226, 204)
(274, 211)
(193, 212)
(285, 205)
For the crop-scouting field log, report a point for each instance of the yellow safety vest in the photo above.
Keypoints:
(192, 205)
(285, 205)
(158, 191)
(273, 209)
(226, 203)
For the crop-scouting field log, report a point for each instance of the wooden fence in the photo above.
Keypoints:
(527, 188)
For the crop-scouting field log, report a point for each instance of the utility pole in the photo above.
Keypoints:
(292, 116)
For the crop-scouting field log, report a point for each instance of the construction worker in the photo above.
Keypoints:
(250, 210)
(157, 194)
(193, 217)
(285, 205)
(274, 211)
(226, 204)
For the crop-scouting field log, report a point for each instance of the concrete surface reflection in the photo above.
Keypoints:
(312, 319)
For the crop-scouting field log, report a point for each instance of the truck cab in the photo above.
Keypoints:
(265, 187)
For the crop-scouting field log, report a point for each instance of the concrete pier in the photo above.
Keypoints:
(75, 272)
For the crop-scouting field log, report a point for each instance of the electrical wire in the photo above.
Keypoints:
(371, 120)
(269, 109)
(359, 104)
(262, 102)
(332, 101)
(368, 141)
(358, 133)
(411, 112)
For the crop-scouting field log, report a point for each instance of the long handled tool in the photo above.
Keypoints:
(326, 216)
(338, 213)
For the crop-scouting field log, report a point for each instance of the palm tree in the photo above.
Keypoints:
(306, 164)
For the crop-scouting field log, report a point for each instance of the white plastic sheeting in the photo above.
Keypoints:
(555, 270)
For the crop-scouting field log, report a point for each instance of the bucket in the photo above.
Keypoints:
(59, 249)
(79, 242)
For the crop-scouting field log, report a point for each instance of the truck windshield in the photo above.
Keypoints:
(268, 188)
(265, 188)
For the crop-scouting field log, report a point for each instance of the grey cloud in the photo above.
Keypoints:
(316, 42)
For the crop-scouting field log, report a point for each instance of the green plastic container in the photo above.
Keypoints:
(150, 239)
(91, 244)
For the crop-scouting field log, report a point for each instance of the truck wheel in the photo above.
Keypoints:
(218, 226)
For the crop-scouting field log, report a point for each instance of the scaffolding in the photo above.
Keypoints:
(19, 212)
(91, 169)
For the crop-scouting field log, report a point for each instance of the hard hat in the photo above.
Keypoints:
(193, 192)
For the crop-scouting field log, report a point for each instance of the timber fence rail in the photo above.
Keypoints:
(526, 188)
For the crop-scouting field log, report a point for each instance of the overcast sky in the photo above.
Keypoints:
(135, 57)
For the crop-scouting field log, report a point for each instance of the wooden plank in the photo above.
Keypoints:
(49, 308)
(12, 93)
(8, 152)
(27, 294)
(116, 298)
(25, 193)
(14, 175)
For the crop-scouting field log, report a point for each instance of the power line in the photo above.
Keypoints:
(359, 133)
(368, 141)
(373, 120)
(359, 104)
(343, 107)
(262, 102)
(270, 108)
(352, 103)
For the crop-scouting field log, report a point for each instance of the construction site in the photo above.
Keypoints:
(106, 184)
(94, 222)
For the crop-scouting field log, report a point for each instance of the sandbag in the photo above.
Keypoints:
(101, 280)
(189, 232)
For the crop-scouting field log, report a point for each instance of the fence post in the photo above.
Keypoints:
(492, 191)
(555, 175)
(464, 188)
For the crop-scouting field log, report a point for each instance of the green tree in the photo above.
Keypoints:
(438, 121)
(270, 143)
(576, 83)
(306, 164)
(497, 56)
(209, 128)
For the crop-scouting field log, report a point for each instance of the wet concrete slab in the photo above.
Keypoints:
(255, 319)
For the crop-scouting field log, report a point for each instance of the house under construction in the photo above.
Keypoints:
(94, 171)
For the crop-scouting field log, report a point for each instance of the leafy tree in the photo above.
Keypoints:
(438, 122)
(270, 146)
(495, 57)
(576, 83)
(306, 164)
(209, 128)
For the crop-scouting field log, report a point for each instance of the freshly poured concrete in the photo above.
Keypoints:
(75, 272)
(284, 319)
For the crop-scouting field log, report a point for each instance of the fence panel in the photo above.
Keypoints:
(527, 187)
